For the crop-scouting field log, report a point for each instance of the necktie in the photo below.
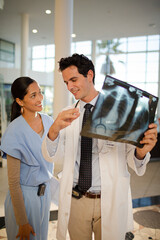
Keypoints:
(85, 171)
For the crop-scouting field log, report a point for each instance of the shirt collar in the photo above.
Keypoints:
(93, 102)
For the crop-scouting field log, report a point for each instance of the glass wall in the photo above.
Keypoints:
(43, 58)
(134, 60)
(7, 53)
(84, 47)
(47, 100)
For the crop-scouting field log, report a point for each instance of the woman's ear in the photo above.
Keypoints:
(20, 102)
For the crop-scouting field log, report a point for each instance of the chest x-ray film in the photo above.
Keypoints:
(122, 113)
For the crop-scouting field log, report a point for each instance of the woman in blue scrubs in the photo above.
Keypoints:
(28, 200)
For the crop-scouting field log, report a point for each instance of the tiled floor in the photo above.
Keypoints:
(147, 223)
(146, 217)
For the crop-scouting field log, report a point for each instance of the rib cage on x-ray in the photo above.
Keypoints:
(122, 113)
(119, 113)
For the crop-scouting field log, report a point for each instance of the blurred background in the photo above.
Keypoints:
(121, 37)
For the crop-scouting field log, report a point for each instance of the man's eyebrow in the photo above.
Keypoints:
(72, 78)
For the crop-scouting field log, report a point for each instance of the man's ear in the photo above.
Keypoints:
(20, 102)
(90, 75)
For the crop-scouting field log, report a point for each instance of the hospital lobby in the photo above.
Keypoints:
(122, 38)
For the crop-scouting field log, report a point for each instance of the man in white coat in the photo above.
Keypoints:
(105, 209)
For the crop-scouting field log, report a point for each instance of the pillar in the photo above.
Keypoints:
(24, 43)
(62, 36)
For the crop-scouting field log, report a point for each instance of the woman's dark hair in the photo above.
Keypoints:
(19, 90)
(82, 63)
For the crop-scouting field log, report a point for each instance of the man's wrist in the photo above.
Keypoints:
(138, 155)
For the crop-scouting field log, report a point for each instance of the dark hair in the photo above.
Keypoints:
(83, 64)
(19, 90)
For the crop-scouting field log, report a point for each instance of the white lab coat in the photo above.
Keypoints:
(116, 202)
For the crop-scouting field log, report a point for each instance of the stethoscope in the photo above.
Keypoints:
(100, 124)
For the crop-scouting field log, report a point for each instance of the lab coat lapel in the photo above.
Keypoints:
(72, 134)
(76, 133)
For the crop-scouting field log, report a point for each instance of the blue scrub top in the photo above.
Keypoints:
(22, 142)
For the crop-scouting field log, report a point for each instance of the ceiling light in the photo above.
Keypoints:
(34, 30)
(48, 11)
(73, 35)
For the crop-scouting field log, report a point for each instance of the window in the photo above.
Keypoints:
(134, 60)
(84, 47)
(47, 100)
(43, 58)
(7, 51)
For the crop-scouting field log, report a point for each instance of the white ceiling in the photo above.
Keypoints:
(93, 19)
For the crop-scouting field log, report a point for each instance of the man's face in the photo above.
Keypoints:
(77, 84)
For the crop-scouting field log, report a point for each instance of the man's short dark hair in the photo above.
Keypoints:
(82, 63)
